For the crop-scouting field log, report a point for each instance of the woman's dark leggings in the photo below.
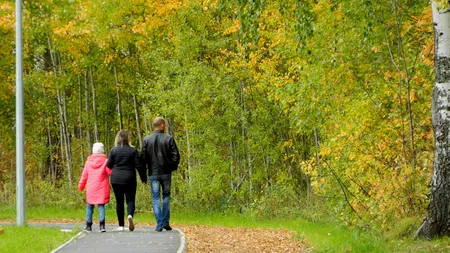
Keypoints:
(129, 191)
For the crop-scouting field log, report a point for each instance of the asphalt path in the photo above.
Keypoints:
(142, 239)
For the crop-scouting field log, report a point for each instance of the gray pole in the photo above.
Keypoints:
(20, 172)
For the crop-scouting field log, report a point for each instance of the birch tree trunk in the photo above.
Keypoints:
(61, 142)
(437, 223)
(94, 106)
(136, 113)
(80, 119)
(119, 102)
(86, 107)
(64, 133)
(50, 145)
(52, 171)
(65, 140)
(66, 128)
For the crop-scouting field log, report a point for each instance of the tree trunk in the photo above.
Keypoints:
(400, 99)
(119, 102)
(245, 137)
(138, 126)
(61, 143)
(266, 161)
(250, 170)
(231, 158)
(106, 134)
(406, 80)
(316, 141)
(437, 223)
(66, 127)
(86, 107)
(147, 128)
(188, 150)
(51, 170)
(65, 140)
(94, 106)
(68, 141)
(50, 148)
(64, 133)
(80, 119)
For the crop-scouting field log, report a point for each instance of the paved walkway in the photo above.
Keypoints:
(142, 239)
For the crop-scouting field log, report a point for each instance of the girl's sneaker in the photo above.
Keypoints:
(119, 229)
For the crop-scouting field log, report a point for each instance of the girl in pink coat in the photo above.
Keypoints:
(95, 179)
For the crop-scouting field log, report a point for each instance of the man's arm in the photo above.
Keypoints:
(145, 157)
(140, 167)
(174, 154)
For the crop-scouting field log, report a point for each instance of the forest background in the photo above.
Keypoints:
(279, 108)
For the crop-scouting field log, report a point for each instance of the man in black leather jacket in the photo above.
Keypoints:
(161, 157)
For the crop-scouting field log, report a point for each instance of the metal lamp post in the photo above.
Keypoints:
(20, 161)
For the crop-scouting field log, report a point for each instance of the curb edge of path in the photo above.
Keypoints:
(182, 247)
(69, 241)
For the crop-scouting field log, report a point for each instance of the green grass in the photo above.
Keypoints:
(32, 239)
(322, 237)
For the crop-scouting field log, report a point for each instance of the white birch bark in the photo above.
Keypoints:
(138, 124)
(119, 102)
(94, 106)
(65, 141)
(80, 119)
(437, 223)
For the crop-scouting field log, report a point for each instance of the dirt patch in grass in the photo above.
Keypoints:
(224, 239)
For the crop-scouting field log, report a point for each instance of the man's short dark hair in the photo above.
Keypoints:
(158, 121)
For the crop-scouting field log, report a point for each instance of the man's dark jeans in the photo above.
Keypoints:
(162, 213)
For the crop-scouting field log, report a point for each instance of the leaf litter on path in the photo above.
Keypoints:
(225, 239)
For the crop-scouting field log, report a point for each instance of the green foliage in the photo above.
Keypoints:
(404, 228)
(275, 202)
(44, 192)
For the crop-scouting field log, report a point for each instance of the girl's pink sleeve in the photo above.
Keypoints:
(83, 179)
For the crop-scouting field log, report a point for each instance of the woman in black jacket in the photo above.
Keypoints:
(124, 161)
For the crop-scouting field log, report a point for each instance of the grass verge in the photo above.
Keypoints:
(32, 239)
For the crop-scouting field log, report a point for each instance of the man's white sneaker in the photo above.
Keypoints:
(119, 229)
(130, 223)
